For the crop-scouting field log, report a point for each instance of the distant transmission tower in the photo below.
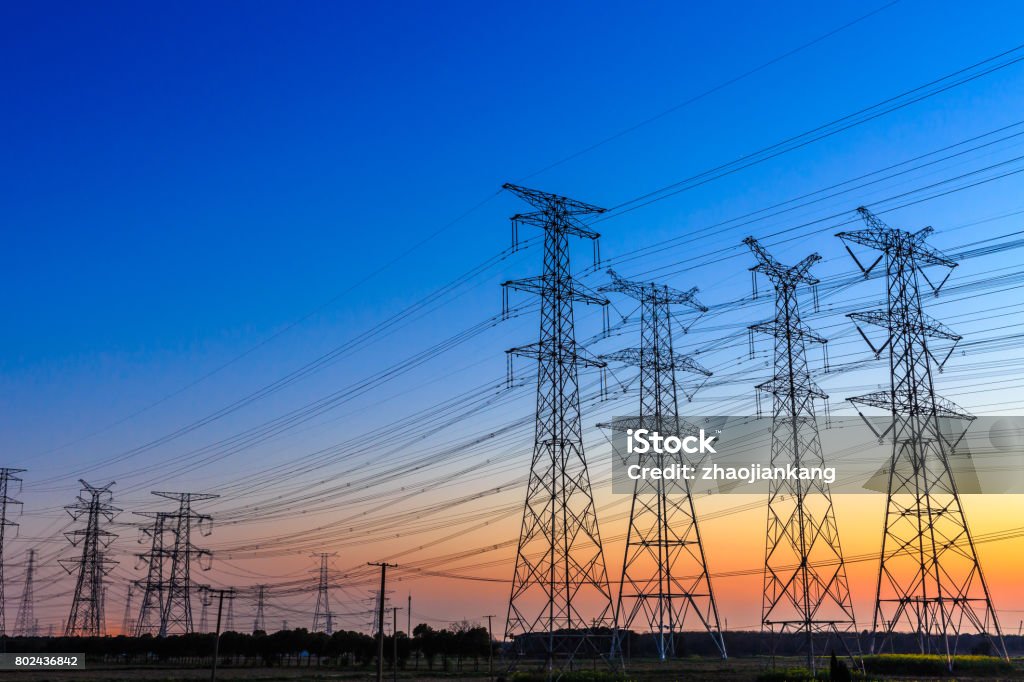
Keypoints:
(560, 593)
(929, 576)
(95, 504)
(665, 573)
(806, 590)
(126, 618)
(7, 477)
(204, 600)
(260, 622)
(176, 616)
(153, 586)
(229, 621)
(25, 625)
(322, 615)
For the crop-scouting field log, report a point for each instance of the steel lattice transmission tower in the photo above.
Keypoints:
(560, 593)
(25, 625)
(153, 586)
(205, 599)
(95, 504)
(229, 620)
(260, 623)
(176, 615)
(664, 572)
(127, 625)
(806, 590)
(929, 576)
(7, 477)
(322, 617)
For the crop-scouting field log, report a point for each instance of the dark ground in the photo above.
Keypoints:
(732, 670)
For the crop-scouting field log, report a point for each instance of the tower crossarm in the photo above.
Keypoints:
(664, 424)
(637, 357)
(901, 403)
(897, 242)
(192, 497)
(924, 325)
(570, 288)
(781, 386)
(547, 202)
(779, 274)
(649, 292)
(795, 330)
(538, 351)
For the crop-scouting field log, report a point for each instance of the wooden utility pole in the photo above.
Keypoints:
(380, 617)
(230, 593)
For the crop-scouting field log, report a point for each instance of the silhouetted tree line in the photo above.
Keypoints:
(450, 648)
(429, 649)
(463, 646)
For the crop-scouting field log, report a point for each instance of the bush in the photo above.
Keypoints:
(933, 665)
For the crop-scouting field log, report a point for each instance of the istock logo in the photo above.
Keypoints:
(642, 441)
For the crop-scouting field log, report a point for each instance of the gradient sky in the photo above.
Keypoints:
(200, 198)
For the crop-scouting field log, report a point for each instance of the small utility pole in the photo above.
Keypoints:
(380, 617)
(394, 644)
(490, 647)
(417, 664)
(230, 593)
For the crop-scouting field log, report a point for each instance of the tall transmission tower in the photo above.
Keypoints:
(664, 571)
(95, 504)
(929, 576)
(806, 590)
(176, 616)
(322, 618)
(153, 586)
(7, 477)
(25, 625)
(560, 592)
(260, 622)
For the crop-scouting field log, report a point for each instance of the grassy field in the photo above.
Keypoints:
(733, 670)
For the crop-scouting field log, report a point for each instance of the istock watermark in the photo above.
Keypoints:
(733, 454)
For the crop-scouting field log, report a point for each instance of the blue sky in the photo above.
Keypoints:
(183, 182)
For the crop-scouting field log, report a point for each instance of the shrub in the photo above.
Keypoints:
(934, 665)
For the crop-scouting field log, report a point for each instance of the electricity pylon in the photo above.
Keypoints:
(929, 576)
(7, 477)
(260, 623)
(560, 593)
(25, 625)
(126, 618)
(229, 620)
(176, 615)
(86, 617)
(153, 587)
(806, 590)
(322, 620)
(664, 571)
(205, 598)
